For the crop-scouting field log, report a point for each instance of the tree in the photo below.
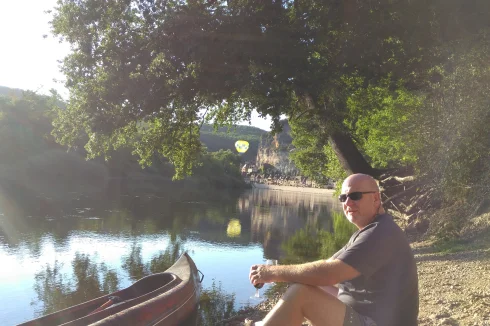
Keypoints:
(176, 64)
(308, 153)
(454, 119)
(25, 126)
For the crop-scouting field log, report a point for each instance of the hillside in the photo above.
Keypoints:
(225, 139)
(9, 91)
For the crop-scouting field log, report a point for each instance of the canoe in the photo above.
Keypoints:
(167, 298)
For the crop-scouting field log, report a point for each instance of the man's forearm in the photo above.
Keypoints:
(314, 273)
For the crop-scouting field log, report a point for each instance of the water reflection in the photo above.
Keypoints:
(215, 305)
(275, 216)
(313, 243)
(133, 263)
(56, 290)
(116, 242)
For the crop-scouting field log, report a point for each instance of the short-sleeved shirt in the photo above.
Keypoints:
(387, 289)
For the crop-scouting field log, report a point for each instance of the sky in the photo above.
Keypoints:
(30, 62)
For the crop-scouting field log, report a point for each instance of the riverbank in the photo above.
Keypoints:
(306, 190)
(454, 287)
(454, 282)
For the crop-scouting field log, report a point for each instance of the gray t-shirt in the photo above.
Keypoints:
(387, 289)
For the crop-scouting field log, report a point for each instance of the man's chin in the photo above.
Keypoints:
(352, 217)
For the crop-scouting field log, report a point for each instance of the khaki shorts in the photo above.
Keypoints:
(352, 318)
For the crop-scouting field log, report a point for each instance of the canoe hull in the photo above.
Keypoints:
(160, 299)
(171, 308)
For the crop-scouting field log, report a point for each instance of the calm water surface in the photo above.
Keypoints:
(53, 257)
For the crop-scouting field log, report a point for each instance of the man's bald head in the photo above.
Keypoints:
(359, 180)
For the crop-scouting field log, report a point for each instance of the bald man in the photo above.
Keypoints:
(375, 273)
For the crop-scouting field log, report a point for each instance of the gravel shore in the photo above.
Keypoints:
(454, 288)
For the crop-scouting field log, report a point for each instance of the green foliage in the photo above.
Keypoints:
(313, 155)
(333, 167)
(219, 170)
(381, 118)
(452, 128)
(308, 155)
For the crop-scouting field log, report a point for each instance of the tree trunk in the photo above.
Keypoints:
(349, 156)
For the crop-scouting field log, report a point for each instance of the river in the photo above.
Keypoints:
(56, 257)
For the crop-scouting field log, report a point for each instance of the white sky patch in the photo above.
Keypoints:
(27, 60)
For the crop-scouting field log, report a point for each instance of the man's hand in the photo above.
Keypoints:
(261, 274)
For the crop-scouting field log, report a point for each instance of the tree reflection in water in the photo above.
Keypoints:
(133, 263)
(215, 305)
(303, 247)
(90, 280)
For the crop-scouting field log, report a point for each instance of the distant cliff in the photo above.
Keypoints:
(274, 150)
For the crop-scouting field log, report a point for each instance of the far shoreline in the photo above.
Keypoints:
(293, 189)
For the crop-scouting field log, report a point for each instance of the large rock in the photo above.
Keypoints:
(274, 151)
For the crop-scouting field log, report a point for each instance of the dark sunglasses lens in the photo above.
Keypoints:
(343, 198)
(355, 195)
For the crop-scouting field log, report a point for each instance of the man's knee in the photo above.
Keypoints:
(315, 304)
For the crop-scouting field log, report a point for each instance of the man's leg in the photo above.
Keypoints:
(305, 301)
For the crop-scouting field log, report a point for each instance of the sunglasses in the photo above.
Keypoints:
(357, 195)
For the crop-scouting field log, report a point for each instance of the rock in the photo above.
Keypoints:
(442, 314)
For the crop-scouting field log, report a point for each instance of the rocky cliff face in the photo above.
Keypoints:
(274, 150)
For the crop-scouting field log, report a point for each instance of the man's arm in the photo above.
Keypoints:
(318, 273)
